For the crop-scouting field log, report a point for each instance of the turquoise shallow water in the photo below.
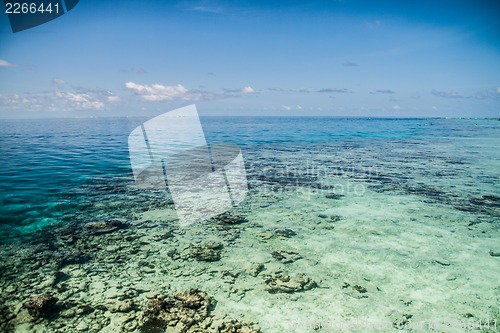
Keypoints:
(46, 163)
(371, 225)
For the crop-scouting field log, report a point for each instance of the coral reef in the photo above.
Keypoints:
(280, 283)
(283, 232)
(286, 233)
(41, 306)
(229, 219)
(153, 326)
(210, 251)
(189, 312)
(355, 291)
(265, 235)
(286, 257)
(6, 315)
(194, 299)
(255, 269)
(72, 258)
(183, 311)
(234, 326)
(105, 227)
(124, 307)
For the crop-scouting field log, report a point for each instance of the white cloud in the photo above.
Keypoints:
(490, 93)
(330, 90)
(247, 90)
(77, 99)
(447, 94)
(207, 9)
(291, 107)
(58, 82)
(159, 92)
(435, 108)
(5, 63)
(396, 107)
(383, 91)
(80, 101)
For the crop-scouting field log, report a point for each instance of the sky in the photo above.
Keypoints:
(276, 58)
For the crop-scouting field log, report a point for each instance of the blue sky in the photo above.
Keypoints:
(318, 58)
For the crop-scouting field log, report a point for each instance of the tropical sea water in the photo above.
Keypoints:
(424, 189)
(45, 161)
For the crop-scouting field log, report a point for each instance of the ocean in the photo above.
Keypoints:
(350, 224)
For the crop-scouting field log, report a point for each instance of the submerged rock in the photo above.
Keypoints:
(402, 321)
(494, 253)
(174, 254)
(335, 218)
(287, 233)
(189, 311)
(228, 276)
(279, 283)
(360, 289)
(210, 251)
(124, 306)
(153, 326)
(105, 227)
(286, 257)
(486, 200)
(72, 258)
(265, 235)
(41, 306)
(334, 196)
(6, 315)
(229, 219)
(194, 299)
(234, 326)
(183, 311)
(355, 291)
(442, 262)
(255, 269)
(283, 232)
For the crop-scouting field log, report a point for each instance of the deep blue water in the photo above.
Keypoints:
(44, 161)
